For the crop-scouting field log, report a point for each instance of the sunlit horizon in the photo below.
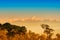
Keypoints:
(31, 13)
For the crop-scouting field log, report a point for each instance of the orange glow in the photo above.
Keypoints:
(33, 18)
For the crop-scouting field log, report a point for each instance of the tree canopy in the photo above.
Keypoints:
(13, 29)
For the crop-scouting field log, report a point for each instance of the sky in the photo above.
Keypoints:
(30, 7)
(31, 13)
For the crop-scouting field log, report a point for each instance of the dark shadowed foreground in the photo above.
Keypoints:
(14, 32)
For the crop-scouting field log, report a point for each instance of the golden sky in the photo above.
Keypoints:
(33, 23)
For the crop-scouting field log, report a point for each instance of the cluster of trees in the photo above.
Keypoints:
(11, 30)
(14, 32)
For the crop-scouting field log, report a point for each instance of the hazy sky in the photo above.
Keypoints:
(30, 12)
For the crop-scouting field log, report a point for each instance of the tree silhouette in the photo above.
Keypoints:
(0, 26)
(7, 26)
(14, 32)
(45, 26)
(13, 29)
(58, 36)
(23, 29)
(47, 30)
